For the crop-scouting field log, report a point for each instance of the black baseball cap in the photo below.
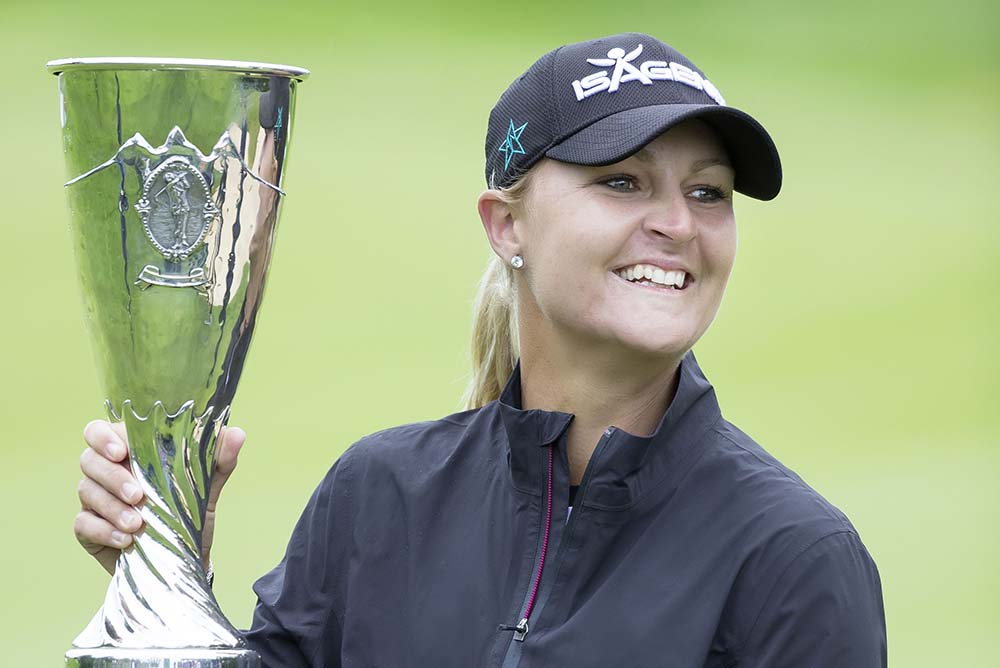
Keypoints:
(600, 101)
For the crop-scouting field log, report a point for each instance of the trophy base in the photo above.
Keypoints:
(115, 657)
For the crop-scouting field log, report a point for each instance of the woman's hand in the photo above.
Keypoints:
(108, 521)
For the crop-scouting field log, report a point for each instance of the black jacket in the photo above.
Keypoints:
(691, 547)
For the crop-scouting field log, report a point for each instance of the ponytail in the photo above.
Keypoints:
(495, 348)
(495, 344)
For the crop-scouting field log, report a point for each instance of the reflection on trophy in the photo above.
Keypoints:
(173, 245)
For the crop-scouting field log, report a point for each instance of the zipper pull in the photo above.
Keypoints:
(520, 631)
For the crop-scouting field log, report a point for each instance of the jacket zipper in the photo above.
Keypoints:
(521, 629)
(513, 656)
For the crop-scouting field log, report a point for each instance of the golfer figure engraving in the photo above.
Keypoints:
(173, 246)
(176, 190)
(170, 194)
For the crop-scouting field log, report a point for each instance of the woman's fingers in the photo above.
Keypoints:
(110, 475)
(107, 493)
(106, 521)
(100, 538)
(95, 532)
(98, 500)
(231, 441)
(107, 439)
(119, 429)
(227, 453)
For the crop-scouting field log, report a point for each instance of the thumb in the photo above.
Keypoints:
(231, 441)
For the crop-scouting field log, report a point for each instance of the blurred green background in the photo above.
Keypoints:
(857, 341)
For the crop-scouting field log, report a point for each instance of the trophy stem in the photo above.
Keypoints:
(159, 596)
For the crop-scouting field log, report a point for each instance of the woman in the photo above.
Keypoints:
(592, 507)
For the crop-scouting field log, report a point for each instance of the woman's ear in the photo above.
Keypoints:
(498, 216)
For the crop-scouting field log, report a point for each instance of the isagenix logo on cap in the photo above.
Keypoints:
(647, 72)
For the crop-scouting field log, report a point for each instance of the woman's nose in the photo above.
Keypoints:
(671, 218)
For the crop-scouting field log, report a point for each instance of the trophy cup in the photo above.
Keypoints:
(176, 171)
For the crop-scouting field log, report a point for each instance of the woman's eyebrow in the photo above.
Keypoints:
(643, 155)
(699, 165)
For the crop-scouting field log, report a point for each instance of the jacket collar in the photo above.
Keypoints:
(626, 466)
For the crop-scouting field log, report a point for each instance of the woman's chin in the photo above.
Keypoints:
(643, 345)
(632, 341)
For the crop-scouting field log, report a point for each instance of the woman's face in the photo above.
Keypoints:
(585, 231)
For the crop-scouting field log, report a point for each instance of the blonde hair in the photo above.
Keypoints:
(495, 344)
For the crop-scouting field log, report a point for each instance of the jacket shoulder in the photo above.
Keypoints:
(769, 489)
(785, 525)
(412, 448)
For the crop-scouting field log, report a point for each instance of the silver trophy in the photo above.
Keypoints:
(176, 171)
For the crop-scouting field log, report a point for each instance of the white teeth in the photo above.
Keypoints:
(638, 272)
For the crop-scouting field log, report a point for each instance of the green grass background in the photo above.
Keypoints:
(857, 341)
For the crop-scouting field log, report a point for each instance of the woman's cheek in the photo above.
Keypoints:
(723, 245)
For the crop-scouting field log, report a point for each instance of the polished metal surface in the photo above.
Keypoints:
(138, 63)
(175, 658)
(172, 245)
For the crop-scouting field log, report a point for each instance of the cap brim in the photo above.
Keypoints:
(616, 137)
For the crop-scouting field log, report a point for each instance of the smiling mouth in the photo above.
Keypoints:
(669, 281)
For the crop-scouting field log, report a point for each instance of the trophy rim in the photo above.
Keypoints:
(143, 63)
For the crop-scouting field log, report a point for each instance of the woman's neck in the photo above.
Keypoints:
(601, 388)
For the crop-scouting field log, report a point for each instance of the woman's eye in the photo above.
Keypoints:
(708, 194)
(621, 183)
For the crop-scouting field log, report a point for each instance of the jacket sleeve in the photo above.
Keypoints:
(299, 612)
(825, 611)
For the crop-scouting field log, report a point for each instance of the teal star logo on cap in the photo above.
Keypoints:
(511, 145)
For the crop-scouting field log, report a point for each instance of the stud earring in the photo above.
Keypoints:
(517, 262)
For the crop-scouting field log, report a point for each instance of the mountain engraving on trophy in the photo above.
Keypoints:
(176, 205)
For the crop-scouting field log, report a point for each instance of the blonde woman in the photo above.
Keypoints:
(592, 507)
